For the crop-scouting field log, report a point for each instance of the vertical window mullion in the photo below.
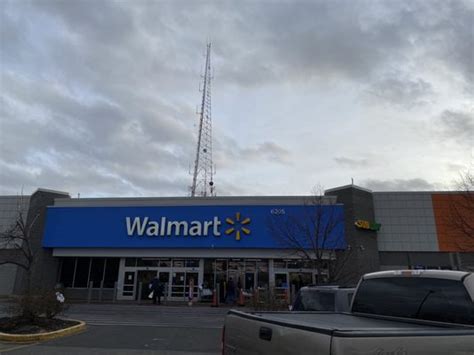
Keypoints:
(74, 275)
(103, 271)
(58, 278)
(89, 273)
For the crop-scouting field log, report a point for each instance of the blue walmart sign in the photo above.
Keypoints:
(193, 226)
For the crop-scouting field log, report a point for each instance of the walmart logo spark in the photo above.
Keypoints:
(237, 226)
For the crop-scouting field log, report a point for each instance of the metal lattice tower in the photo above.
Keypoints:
(203, 182)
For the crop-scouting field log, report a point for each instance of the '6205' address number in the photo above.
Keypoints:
(277, 211)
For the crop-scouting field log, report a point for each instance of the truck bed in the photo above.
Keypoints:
(341, 334)
(346, 324)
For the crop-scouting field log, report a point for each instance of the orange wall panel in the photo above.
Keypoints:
(448, 209)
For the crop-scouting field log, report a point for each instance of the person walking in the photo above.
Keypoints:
(156, 286)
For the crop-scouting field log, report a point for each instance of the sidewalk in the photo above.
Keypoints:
(9, 300)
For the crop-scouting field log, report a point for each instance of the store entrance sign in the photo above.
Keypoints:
(145, 226)
(229, 226)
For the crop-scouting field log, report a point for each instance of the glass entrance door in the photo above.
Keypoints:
(281, 285)
(177, 287)
(249, 281)
(145, 277)
(164, 277)
(129, 285)
(180, 284)
(194, 277)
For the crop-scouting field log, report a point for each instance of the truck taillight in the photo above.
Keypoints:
(223, 341)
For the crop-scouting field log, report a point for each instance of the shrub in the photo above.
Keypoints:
(35, 304)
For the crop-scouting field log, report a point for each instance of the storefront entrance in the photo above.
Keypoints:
(144, 278)
(174, 274)
(206, 275)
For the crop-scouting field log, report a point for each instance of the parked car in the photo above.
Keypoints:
(392, 312)
(323, 298)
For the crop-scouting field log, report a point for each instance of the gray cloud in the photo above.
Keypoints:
(228, 153)
(267, 151)
(351, 40)
(458, 126)
(352, 163)
(456, 168)
(337, 39)
(399, 185)
(99, 96)
(398, 91)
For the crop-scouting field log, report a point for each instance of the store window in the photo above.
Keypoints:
(131, 262)
(178, 263)
(279, 264)
(281, 280)
(147, 262)
(111, 272)
(78, 272)
(192, 263)
(295, 264)
(97, 271)
(67, 271)
(164, 263)
(82, 272)
(208, 274)
(250, 266)
(262, 274)
(235, 264)
(221, 265)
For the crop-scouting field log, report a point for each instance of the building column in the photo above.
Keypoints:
(271, 274)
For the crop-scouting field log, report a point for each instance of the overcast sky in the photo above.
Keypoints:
(99, 97)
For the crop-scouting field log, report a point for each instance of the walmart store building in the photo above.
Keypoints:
(116, 244)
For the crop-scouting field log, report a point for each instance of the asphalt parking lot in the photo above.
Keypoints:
(135, 329)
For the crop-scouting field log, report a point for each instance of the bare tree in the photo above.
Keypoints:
(314, 235)
(461, 212)
(16, 239)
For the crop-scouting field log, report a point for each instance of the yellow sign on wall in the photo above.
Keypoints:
(362, 224)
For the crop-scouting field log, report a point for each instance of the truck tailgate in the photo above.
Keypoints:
(247, 336)
(418, 343)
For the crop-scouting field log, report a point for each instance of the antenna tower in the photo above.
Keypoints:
(203, 182)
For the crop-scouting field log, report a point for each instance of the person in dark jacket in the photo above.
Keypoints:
(230, 297)
(157, 287)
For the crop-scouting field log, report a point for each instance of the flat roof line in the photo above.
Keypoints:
(51, 191)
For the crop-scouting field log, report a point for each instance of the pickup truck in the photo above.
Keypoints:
(323, 298)
(401, 312)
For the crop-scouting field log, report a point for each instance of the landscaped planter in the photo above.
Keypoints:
(38, 332)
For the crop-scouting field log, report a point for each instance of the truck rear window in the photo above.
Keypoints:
(313, 300)
(420, 298)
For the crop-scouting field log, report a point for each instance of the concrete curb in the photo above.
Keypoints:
(29, 338)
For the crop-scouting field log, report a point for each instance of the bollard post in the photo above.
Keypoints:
(140, 292)
(114, 296)
(218, 296)
(101, 289)
(293, 293)
(89, 292)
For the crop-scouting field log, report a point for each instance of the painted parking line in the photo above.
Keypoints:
(5, 347)
(155, 325)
